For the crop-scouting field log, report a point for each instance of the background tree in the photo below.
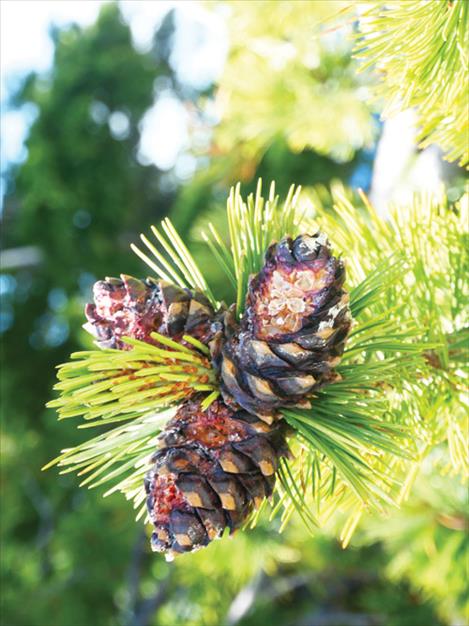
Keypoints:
(78, 199)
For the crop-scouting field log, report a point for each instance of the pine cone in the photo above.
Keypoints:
(136, 308)
(293, 331)
(212, 469)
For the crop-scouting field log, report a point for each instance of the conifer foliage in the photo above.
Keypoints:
(419, 51)
(293, 394)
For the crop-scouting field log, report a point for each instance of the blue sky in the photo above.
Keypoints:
(26, 46)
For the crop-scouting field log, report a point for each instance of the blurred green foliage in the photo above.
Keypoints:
(276, 56)
(292, 107)
(70, 558)
(78, 199)
(427, 541)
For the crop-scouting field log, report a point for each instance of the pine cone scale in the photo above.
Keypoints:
(197, 491)
(234, 462)
(214, 467)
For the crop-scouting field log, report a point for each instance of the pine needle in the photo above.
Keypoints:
(253, 225)
(419, 70)
(178, 266)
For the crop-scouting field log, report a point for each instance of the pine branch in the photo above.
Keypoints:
(431, 239)
(419, 50)
(361, 442)
(108, 387)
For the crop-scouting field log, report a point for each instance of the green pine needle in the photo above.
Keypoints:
(178, 266)
(419, 50)
(253, 225)
(108, 387)
(431, 237)
(120, 456)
